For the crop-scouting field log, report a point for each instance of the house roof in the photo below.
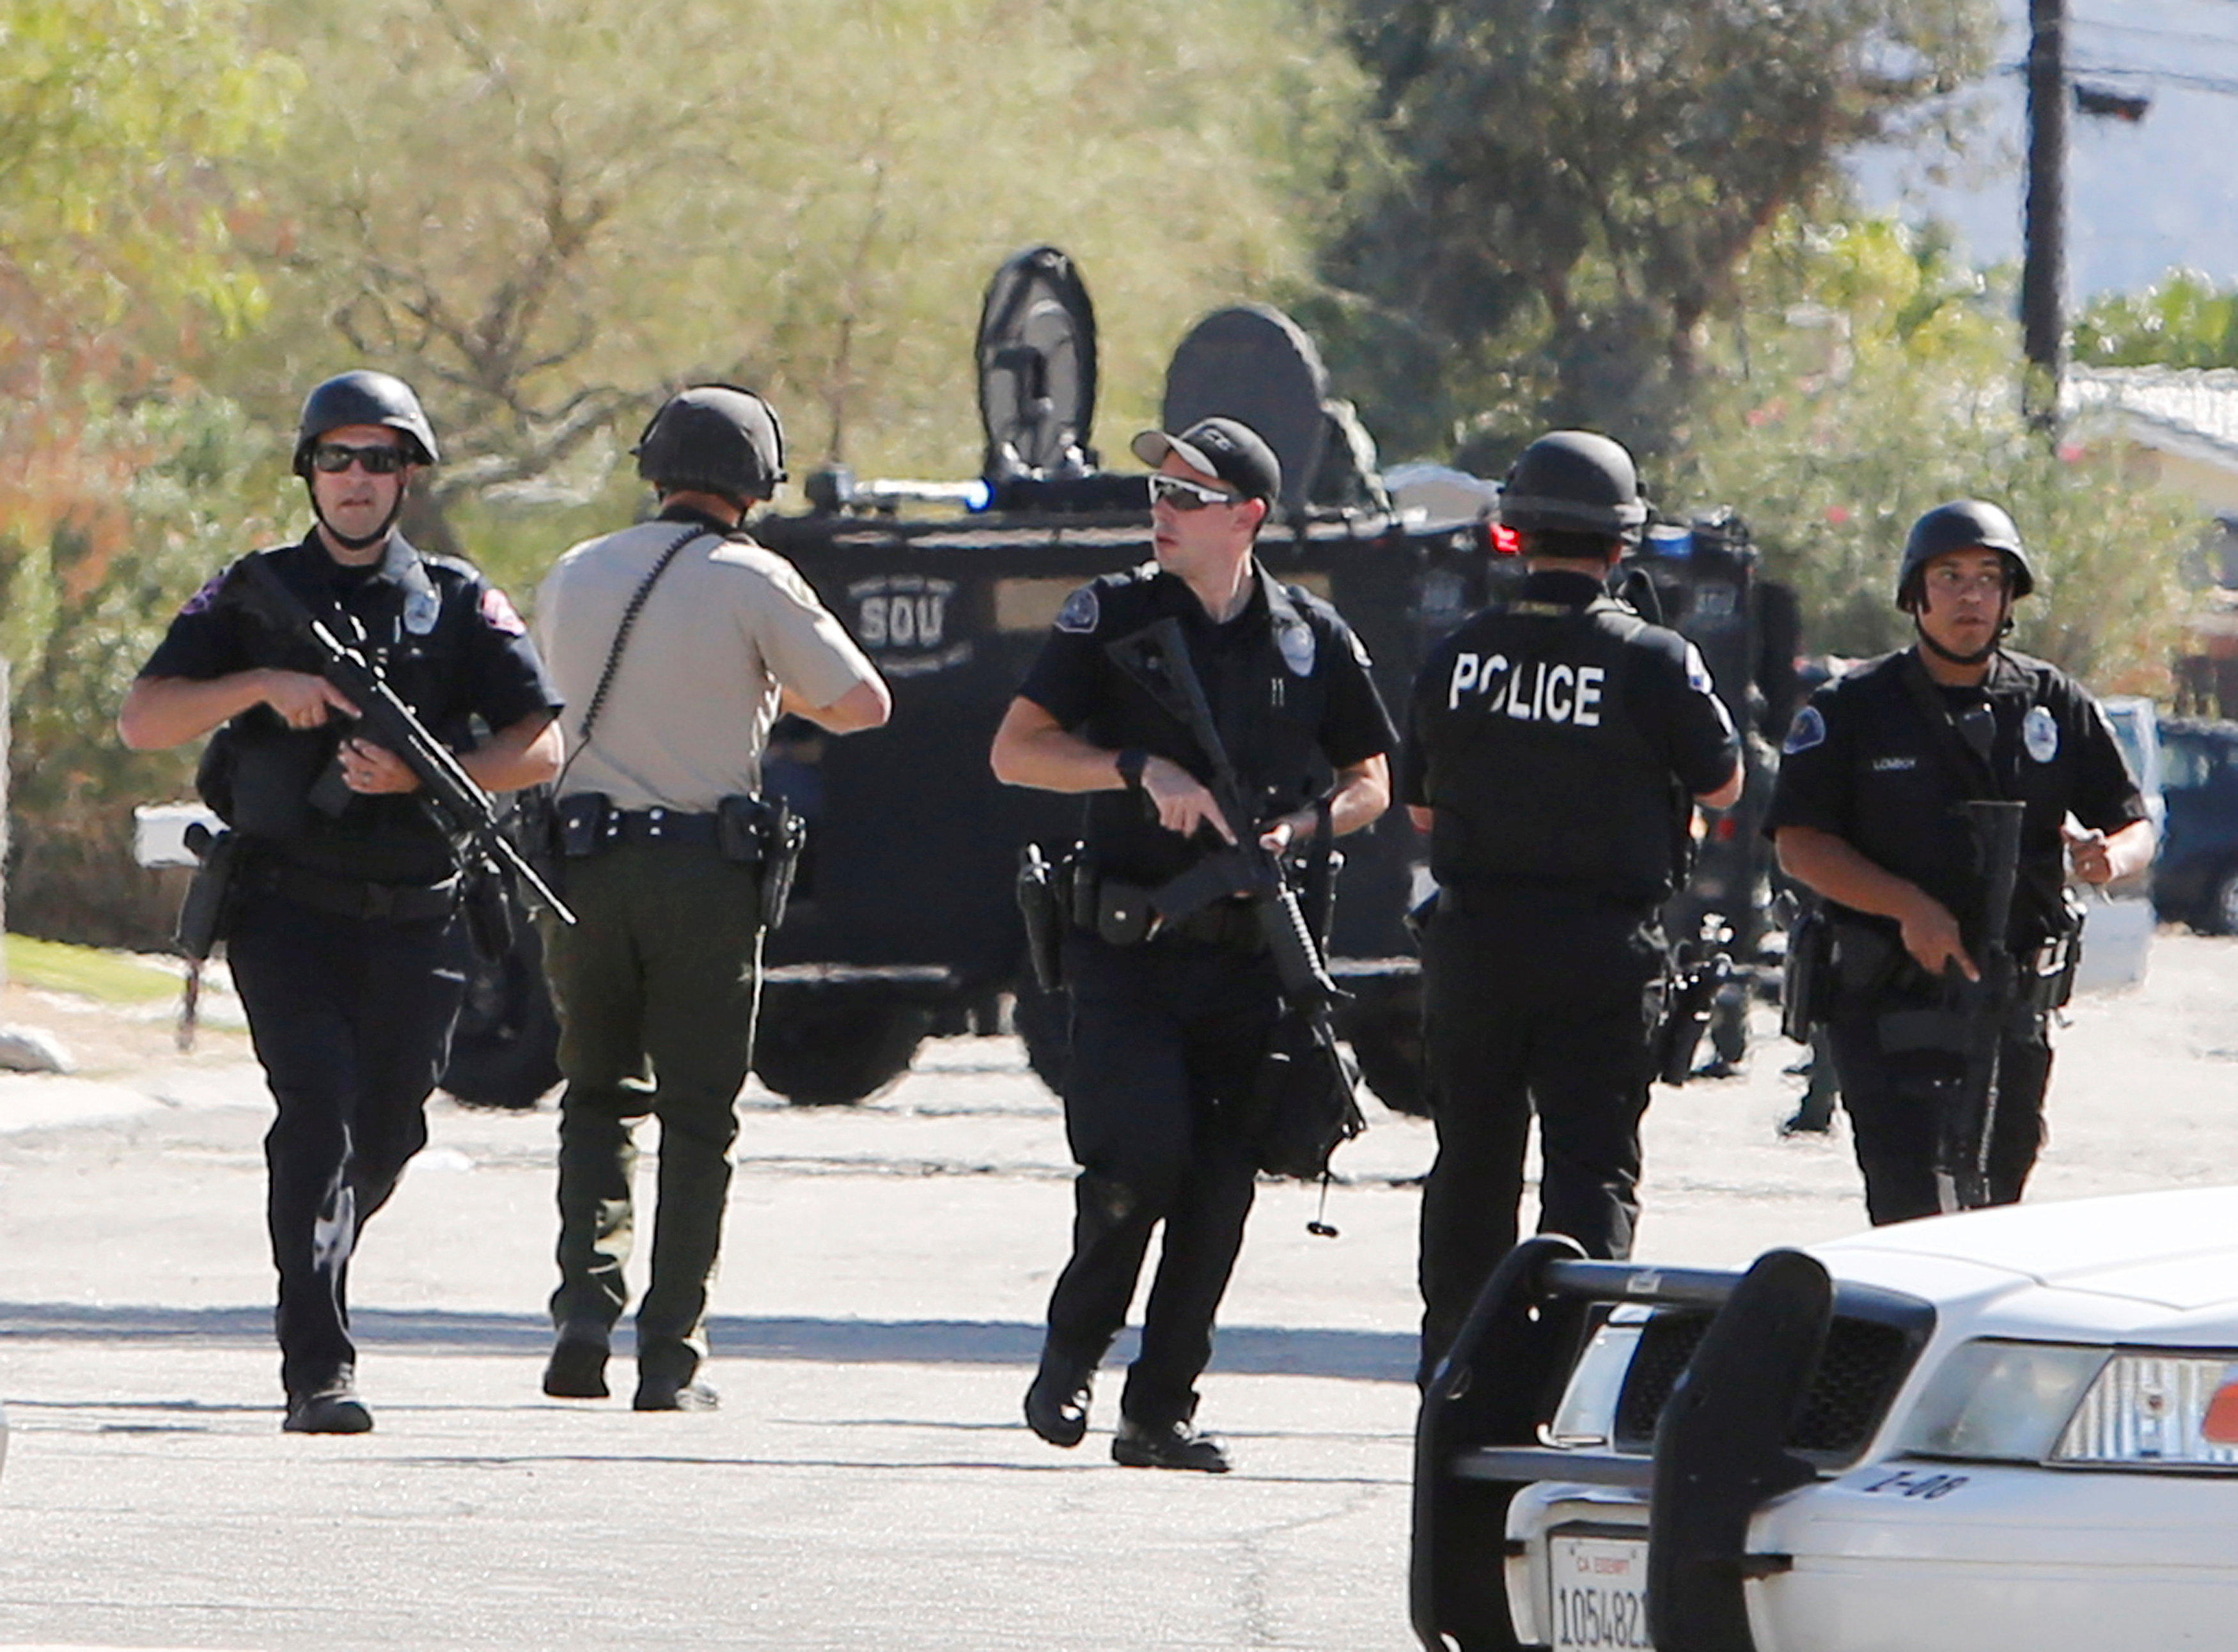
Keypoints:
(2192, 412)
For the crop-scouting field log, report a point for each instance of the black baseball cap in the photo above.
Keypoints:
(1223, 447)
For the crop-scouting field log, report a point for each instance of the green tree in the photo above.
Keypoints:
(1565, 193)
(124, 125)
(544, 211)
(2182, 321)
(1873, 381)
(118, 122)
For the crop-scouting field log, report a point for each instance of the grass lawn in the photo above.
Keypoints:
(110, 977)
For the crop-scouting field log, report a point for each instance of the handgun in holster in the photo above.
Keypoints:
(1043, 906)
(206, 914)
(767, 834)
(488, 908)
(1806, 977)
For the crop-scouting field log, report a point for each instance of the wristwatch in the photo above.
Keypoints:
(1129, 765)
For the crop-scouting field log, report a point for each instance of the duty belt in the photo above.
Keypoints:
(588, 824)
(351, 897)
(658, 826)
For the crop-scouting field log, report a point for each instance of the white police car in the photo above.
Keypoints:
(2015, 1428)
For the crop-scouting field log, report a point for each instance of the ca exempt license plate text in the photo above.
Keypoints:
(1599, 1591)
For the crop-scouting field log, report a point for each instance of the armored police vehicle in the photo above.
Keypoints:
(903, 922)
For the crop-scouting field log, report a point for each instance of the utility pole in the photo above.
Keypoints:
(2043, 226)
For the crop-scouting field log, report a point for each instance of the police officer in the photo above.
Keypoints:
(1868, 813)
(1555, 744)
(683, 640)
(1169, 1026)
(342, 943)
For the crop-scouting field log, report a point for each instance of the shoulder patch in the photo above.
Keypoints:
(1698, 671)
(500, 615)
(1359, 649)
(203, 599)
(2040, 734)
(1808, 729)
(1081, 611)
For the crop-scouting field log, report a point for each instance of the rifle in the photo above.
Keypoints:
(453, 798)
(1703, 968)
(1158, 657)
(1967, 1114)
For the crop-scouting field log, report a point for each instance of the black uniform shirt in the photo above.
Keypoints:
(1286, 680)
(452, 648)
(1553, 735)
(1863, 763)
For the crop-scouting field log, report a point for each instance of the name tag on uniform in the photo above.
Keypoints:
(1530, 690)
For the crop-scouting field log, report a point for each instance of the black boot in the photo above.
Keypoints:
(1056, 1400)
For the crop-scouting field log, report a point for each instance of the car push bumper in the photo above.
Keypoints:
(1723, 1445)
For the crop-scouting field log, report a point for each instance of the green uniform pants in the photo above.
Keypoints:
(656, 985)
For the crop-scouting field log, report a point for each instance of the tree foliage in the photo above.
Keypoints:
(546, 211)
(2182, 321)
(117, 120)
(1565, 191)
(1871, 381)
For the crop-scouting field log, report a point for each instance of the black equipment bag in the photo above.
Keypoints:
(1304, 1102)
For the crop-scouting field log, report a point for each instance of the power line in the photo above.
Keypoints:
(2226, 85)
(2181, 37)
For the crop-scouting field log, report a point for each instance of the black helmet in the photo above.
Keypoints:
(1573, 481)
(363, 398)
(1962, 524)
(713, 438)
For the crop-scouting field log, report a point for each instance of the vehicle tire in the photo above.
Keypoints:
(1044, 1024)
(821, 1047)
(2222, 905)
(1386, 1036)
(504, 1047)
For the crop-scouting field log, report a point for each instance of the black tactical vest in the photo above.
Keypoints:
(1536, 770)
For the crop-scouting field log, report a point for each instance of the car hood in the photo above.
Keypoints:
(2158, 1266)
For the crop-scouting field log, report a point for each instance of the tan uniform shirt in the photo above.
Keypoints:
(689, 709)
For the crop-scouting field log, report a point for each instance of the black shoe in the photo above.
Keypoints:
(338, 1412)
(1172, 1445)
(577, 1369)
(673, 1394)
(1056, 1400)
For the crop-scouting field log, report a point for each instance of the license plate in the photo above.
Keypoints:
(1599, 1591)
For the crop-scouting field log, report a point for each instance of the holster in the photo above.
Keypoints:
(533, 823)
(206, 914)
(765, 833)
(1807, 978)
(488, 912)
(1043, 909)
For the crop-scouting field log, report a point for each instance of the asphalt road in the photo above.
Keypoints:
(867, 1482)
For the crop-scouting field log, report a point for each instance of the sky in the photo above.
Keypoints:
(2141, 198)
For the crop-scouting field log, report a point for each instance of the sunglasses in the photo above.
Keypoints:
(1185, 495)
(334, 458)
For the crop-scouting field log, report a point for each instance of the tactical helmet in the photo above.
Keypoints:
(1963, 525)
(363, 398)
(714, 438)
(1573, 481)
